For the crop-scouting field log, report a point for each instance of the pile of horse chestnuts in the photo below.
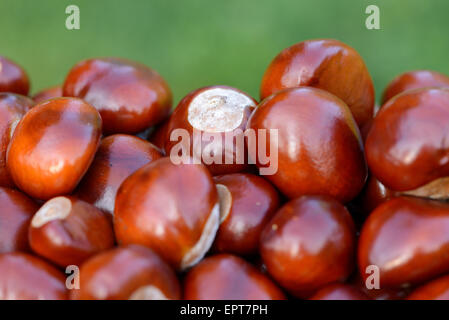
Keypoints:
(100, 176)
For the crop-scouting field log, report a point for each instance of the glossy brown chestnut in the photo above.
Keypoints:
(213, 114)
(373, 194)
(15, 216)
(159, 135)
(326, 64)
(25, 277)
(437, 289)
(170, 208)
(308, 244)
(129, 96)
(53, 146)
(247, 203)
(378, 293)
(227, 277)
(49, 93)
(12, 108)
(414, 80)
(319, 149)
(117, 157)
(407, 147)
(339, 291)
(67, 231)
(407, 239)
(13, 78)
(129, 272)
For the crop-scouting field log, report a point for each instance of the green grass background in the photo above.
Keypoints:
(194, 43)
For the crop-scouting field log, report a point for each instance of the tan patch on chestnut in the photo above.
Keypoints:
(218, 110)
(225, 198)
(199, 250)
(436, 189)
(148, 293)
(56, 208)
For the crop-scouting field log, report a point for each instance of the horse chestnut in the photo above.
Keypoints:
(49, 93)
(13, 78)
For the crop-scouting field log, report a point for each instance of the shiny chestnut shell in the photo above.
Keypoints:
(227, 277)
(15, 216)
(247, 203)
(319, 149)
(25, 277)
(13, 78)
(171, 208)
(48, 93)
(437, 289)
(339, 291)
(414, 80)
(118, 156)
(407, 239)
(53, 146)
(67, 231)
(128, 272)
(309, 243)
(12, 108)
(407, 146)
(129, 96)
(326, 64)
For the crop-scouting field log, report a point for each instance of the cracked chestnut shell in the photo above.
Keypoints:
(170, 208)
(129, 96)
(407, 239)
(319, 148)
(130, 272)
(53, 146)
(13, 78)
(414, 80)
(227, 277)
(118, 156)
(247, 203)
(15, 217)
(309, 243)
(26, 277)
(407, 147)
(327, 64)
(12, 108)
(67, 231)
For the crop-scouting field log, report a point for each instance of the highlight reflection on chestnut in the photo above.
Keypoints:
(309, 243)
(339, 291)
(53, 146)
(13, 78)
(407, 239)
(171, 208)
(227, 277)
(319, 147)
(129, 96)
(117, 157)
(130, 272)
(326, 64)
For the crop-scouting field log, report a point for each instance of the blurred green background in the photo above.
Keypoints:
(194, 43)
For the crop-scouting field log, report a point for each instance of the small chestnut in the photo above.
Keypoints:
(327, 64)
(309, 243)
(227, 277)
(247, 203)
(13, 78)
(25, 277)
(130, 272)
(339, 291)
(407, 239)
(67, 231)
(407, 147)
(437, 289)
(49, 93)
(15, 216)
(117, 157)
(414, 80)
(209, 124)
(53, 146)
(12, 108)
(170, 208)
(129, 96)
(319, 148)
